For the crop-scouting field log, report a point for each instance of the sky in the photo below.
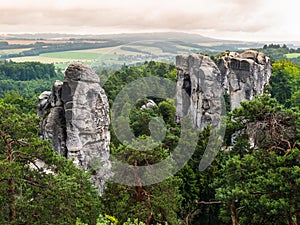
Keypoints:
(249, 20)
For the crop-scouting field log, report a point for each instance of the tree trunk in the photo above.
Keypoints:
(10, 181)
(297, 213)
(12, 202)
(233, 214)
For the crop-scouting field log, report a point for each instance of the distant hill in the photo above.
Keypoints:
(112, 49)
(127, 37)
(166, 36)
(121, 36)
(173, 39)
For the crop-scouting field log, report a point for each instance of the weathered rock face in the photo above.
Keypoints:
(199, 90)
(50, 107)
(76, 118)
(244, 75)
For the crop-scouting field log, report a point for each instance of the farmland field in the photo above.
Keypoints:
(52, 41)
(71, 55)
(107, 51)
(292, 55)
(40, 59)
(95, 57)
(119, 51)
(62, 59)
(13, 51)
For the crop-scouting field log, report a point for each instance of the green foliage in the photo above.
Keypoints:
(278, 52)
(119, 79)
(167, 110)
(275, 51)
(38, 186)
(110, 220)
(26, 71)
(23, 105)
(139, 120)
(173, 200)
(264, 120)
(151, 204)
(295, 100)
(263, 185)
(259, 180)
(196, 187)
(26, 79)
(259, 183)
(256, 180)
(285, 81)
(101, 220)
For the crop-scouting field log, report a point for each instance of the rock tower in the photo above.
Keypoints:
(199, 90)
(244, 75)
(201, 84)
(76, 119)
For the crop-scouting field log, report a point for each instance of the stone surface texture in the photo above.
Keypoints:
(244, 75)
(199, 90)
(201, 84)
(75, 113)
(76, 119)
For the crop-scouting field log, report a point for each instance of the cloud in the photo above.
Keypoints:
(142, 18)
(134, 15)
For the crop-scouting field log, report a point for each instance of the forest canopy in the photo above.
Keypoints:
(248, 183)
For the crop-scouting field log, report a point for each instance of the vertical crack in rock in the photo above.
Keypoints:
(76, 119)
(51, 109)
(200, 84)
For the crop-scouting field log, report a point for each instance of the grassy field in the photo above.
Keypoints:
(40, 59)
(12, 51)
(107, 51)
(71, 55)
(118, 51)
(95, 57)
(62, 59)
(98, 56)
(292, 55)
(152, 50)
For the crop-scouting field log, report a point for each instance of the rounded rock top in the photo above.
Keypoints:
(80, 72)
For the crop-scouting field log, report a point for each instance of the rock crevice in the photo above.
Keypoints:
(201, 84)
(244, 75)
(199, 90)
(76, 119)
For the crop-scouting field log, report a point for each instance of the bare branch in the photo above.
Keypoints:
(33, 183)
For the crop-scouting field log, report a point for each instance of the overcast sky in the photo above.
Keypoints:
(259, 20)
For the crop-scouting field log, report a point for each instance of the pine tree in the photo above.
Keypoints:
(37, 185)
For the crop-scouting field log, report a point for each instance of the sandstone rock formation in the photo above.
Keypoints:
(244, 75)
(149, 104)
(50, 107)
(76, 119)
(199, 90)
